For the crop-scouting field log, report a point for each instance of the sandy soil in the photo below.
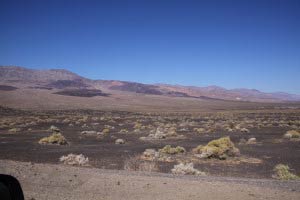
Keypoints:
(48, 181)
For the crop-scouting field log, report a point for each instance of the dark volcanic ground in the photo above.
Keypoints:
(103, 153)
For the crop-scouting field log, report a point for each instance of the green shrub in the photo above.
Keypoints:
(172, 150)
(55, 138)
(220, 148)
(282, 172)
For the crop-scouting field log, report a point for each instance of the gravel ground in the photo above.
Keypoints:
(50, 181)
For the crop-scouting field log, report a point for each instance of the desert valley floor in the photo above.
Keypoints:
(57, 128)
(93, 134)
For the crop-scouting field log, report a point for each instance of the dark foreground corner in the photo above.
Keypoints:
(10, 188)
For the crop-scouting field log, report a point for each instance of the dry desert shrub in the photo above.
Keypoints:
(66, 121)
(89, 133)
(292, 134)
(137, 125)
(119, 141)
(251, 141)
(150, 154)
(14, 130)
(73, 159)
(123, 130)
(54, 129)
(55, 138)
(199, 130)
(244, 130)
(159, 134)
(248, 142)
(135, 164)
(186, 169)
(282, 172)
(162, 132)
(105, 131)
(168, 149)
(221, 148)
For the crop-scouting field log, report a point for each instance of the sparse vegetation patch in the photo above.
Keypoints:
(186, 169)
(120, 141)
(73, 159)
(172, 150)
(283, 172)
(292, 134)
(14, 130)
(55, 138)
(221, 148)
(136, 164)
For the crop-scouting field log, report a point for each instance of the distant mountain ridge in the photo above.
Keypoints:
(11, 73)
(64, 79)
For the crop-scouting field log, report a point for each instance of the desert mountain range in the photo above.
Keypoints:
(58, 89)
(66, 81)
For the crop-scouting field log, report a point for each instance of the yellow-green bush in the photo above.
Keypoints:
(105, 131)
(282, 172)
(55, 138)
(172, 150)
(220, 148)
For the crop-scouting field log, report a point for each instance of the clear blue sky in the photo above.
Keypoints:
(234, 44)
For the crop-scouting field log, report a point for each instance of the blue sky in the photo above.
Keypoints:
(230, 43)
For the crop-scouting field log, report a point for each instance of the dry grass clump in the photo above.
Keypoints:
(135, 164)
(245, 130)
(171, 131)
(55, 138)
(105, 131)
(186, 169)
(119, 141)
(221, 148)
(292, 134)
(90, 133)
(138, 126)
(14, 130)
(150, 154)
(172, 150)
(66, 121)
(73, 159)
(251, 141)
(162, 132)
(123, 130)
(159, 134)
(54, 129)
(199, 130)
(282, 172)
(84, 119)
